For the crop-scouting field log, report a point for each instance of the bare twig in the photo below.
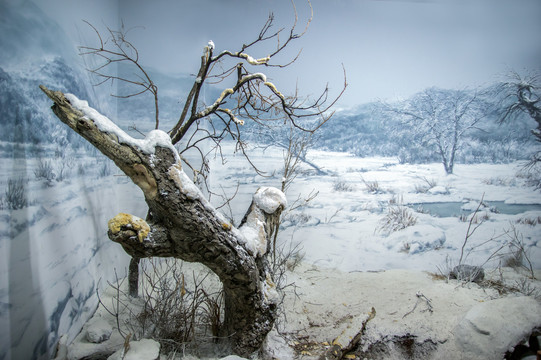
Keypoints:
(420, 298)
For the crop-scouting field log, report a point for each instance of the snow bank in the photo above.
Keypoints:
(491, 328)
(144, 349)
(416, 239)
(465, 322)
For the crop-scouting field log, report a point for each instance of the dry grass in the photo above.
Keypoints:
(398, 217)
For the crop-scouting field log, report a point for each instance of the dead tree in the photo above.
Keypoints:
(181, 223)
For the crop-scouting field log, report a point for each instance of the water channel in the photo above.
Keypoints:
(454, 209)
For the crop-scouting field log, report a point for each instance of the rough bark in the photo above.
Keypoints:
(182, 225)
(133, 277)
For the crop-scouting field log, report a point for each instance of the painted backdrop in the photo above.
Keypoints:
(56, 192)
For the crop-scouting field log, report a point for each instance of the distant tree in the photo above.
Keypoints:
(521, 95)
(439, 119)
(181, 223)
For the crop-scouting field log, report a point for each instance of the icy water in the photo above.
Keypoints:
(450, 209)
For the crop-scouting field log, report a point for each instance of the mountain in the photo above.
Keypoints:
(34, 50)
(28, 34)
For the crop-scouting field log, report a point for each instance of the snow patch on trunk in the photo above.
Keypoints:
(267, 200)
(253, 233)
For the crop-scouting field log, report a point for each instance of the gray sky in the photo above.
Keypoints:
(389, 48)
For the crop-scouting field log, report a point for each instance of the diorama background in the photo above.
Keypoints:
(54, 250)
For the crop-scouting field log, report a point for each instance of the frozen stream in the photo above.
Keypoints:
(455, 208)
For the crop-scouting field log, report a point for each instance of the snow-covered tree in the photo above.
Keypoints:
(439, 119)
(181, 223)
(521, 95)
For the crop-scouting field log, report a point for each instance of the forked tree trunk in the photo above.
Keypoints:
(182, 224)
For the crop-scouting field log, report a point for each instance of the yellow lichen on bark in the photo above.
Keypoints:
(226, 226)
(132, 222)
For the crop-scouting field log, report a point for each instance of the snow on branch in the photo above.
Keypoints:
(147, 145)
(241, 55)
(229, 91)
(231, 116)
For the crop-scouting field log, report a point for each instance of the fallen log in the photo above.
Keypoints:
(348, 336)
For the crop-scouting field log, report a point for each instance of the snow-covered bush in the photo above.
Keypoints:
(398, 217)
(372, 186)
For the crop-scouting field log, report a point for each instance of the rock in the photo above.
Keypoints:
(98, 330)
(491, 328)
(144, 349)
(468, 273)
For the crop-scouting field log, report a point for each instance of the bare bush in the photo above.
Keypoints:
(529, 221)
(500, 181)
(518, 256)
(421, 188)
(45, 172)
(372, 186)
(398, 217)
(340, 185)
(15, 195)
(174, 311)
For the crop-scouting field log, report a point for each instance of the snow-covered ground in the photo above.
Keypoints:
(350, 262)
(342, 227)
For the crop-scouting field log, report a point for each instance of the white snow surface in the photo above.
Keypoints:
(348, 266)
(492, 326)
(148, 145)
(144, 349)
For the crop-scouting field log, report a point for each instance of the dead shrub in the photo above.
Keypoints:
(398, 217)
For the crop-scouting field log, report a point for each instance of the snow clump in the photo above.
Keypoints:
(269, 199)
(98, 330)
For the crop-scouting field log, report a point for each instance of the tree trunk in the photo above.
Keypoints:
(133, 277)
(182, 224)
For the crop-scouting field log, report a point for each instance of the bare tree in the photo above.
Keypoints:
(439, 119)
(521, 95)
(181, 223)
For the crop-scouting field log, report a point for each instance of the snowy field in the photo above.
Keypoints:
(351, 258)
(343, 226)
